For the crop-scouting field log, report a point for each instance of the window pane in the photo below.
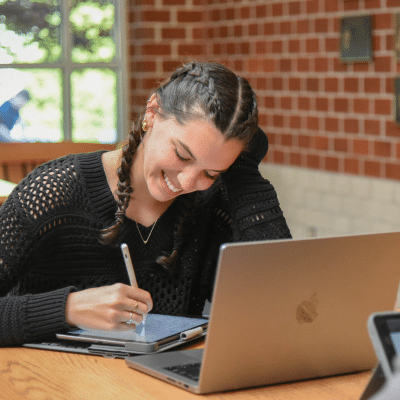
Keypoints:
(94, 104)
(30, 105)
(92, 25)
(29, 31)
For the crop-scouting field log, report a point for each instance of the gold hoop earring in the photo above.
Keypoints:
(145, 125)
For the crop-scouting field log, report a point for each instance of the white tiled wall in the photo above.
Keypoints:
(325, 204)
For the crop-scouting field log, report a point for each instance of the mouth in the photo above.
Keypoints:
(169, 184)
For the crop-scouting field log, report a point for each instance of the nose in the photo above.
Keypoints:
(191, 180)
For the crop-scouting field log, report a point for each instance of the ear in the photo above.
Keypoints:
(151, 110)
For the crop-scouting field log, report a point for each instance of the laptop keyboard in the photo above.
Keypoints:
(191, 371)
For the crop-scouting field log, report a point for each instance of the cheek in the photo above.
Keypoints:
(204, 184)
(157, 159)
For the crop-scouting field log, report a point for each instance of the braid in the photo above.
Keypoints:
(181, 72)
(244, 122)
(124, 188)
(202, 82)
(203, 78)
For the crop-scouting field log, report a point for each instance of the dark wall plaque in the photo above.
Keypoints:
(356, 39)
(397, 37)
(397, 99)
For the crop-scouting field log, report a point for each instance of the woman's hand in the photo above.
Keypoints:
(108, 307)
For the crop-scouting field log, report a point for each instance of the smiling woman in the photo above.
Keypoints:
(186, 182)
(189, 157)
(196, 124)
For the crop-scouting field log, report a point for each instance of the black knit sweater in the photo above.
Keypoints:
(49, 241)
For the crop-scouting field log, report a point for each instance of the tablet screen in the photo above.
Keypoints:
(156, 327)
(389, 332)
(393, 328)
(396, 341)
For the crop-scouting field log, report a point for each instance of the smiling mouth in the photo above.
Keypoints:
(170, 185)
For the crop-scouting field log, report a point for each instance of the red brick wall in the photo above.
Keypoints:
(318, 112)
(163, 34)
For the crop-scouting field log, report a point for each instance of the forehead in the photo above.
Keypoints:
(206, 143)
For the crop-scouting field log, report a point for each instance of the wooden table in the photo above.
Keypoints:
(40, 374)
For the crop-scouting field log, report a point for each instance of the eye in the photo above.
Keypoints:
(179, 156)
(212, 177)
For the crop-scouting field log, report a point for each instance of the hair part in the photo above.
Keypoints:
(213, 92)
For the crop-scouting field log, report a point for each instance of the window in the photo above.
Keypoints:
(62, 70)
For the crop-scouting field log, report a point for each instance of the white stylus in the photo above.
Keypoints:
(130, 270)
(129, 265)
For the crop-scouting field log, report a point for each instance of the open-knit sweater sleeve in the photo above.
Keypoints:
(252, 201)
(24, 219)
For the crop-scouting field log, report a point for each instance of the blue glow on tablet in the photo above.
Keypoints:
(396, 341)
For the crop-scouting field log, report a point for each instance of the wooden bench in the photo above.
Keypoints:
(18, 159)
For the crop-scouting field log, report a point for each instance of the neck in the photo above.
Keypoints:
(138, 182)
(143, 207)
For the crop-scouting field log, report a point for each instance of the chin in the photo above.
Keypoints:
(159, 191)
(160, 195)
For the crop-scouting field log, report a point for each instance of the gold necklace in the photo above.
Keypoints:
(140, 233)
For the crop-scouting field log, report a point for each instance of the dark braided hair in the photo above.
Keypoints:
(124, 188)
(208, 91)
(211, 91)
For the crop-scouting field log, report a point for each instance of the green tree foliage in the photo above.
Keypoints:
(37, 23)
(92, 23)
(30, 32)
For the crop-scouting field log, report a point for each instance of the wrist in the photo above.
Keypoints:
(69, 309)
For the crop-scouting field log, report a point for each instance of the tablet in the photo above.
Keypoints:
(384, 330)
(157, 333)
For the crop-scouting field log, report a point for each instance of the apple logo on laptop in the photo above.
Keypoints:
(307, 310)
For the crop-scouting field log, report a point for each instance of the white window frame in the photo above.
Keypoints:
(118, 65)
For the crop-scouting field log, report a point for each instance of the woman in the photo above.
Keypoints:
(186, 182)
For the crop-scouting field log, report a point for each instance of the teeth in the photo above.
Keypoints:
(170, 185)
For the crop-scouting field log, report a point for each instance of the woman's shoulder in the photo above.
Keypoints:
(55, 182)
(67, 168)
(57, 169)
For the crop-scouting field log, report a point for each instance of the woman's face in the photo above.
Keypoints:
(179, 159)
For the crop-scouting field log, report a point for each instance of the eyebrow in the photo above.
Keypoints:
(187, 149)
(194, 158)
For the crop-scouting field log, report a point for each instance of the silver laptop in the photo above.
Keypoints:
(287, 310)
